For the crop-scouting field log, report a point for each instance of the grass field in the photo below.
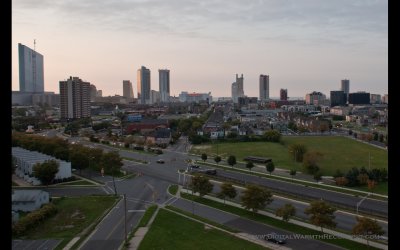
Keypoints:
(172, 231)
(73, 216)
(338, 152)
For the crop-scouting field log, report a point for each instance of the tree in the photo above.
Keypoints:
(255, 197)
(204, 156)
(292, 173)
(201, 184)
(249, 165)
(287, 211)
(363, 178)
(270, 166)
(371, 184)
(297, 151)
(272, 135)
(367, 228)
(231, 160)
(227, 190)
(351, 176)
(310, 161)
(111, 162)
(217, 159)
(341, 181)
(321, 214)
(46, 171)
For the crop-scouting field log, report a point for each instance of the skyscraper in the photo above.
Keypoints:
(237, 88)
(30, 70)
(143, 85)
(163, 76)
(264, 87)
(283, 95)
(345, 87)
(127, 89)
(74, 98)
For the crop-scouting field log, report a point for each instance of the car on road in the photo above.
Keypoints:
(194, 166)
(160, 161)
(275, 238)
(211, 171)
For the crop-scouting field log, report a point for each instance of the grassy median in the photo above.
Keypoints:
(172, 231)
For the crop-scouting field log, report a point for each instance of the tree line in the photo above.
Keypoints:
(254, 198)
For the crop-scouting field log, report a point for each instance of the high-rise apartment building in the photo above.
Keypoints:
(283, 95)
(143, 85)
(74, 98)
(30, 70)
(264, 87)
(127, 89)
(345, 87)
(237, 88)
(163, 76)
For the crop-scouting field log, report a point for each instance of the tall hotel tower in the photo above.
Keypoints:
(264, 87)
(163, 76)
(74, 98)
(143, 85)
(30, 70)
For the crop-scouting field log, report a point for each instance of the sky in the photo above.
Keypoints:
(303, 45)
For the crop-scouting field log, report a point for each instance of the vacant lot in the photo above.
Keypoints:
(73, 216)
(338, 152)
(172, 231)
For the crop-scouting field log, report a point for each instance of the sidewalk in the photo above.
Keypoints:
(303, 224)
(141, 232)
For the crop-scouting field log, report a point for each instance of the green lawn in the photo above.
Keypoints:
(338, 152)
(173, 189)
(73, 216)
(172, 231)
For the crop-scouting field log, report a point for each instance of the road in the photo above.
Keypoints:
(157, 177)
(247, 226)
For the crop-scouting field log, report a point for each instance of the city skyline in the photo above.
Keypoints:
(303, 46)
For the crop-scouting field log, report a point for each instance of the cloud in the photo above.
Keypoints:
(224, 20)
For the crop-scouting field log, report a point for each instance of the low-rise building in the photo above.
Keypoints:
(26, 159)
(28, 200)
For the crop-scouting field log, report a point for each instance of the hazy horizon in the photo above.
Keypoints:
(304, 45)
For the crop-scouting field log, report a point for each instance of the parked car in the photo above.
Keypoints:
(160, 161)
(194, 166)
(275, 238)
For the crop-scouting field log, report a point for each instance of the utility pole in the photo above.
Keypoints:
(126, 237)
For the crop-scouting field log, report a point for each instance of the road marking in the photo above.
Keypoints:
(116, 225)
(140, 210)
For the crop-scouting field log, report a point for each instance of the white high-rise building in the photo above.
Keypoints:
(264, 87)
(143, 85)
(164, 84)
(30, 70)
